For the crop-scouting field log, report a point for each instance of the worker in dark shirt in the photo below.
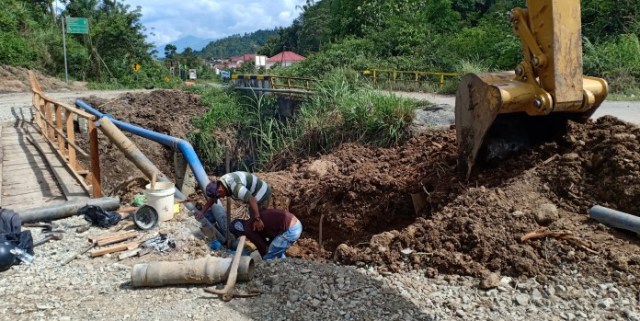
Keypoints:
(281, 230)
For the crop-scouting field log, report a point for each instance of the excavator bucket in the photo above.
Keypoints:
(492, 122)
(501, 113)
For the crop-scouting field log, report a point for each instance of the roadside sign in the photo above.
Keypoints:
(77, 25)
(136, 67)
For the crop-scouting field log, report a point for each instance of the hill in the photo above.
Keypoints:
(181, 44)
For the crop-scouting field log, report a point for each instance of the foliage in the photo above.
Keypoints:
(236, 45)
(30, 36)
(343, 109)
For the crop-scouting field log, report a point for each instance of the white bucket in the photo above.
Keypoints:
(161, 199)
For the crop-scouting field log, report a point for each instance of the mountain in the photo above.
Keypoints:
(194, 43)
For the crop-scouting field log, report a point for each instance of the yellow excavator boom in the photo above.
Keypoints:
(546, 89)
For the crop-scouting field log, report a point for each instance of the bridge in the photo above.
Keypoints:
(43, 164)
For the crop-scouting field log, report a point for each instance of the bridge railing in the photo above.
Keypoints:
(379, 75)
(280, 82)
(55, 121)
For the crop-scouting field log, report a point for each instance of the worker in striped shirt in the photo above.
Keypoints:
(243, 186)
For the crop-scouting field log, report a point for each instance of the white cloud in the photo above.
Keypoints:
(170, 20)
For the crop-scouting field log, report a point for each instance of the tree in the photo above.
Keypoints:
(170, 51)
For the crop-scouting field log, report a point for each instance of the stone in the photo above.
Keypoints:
(631, 316)
(490, 282)
(546, 214)
(522, 299)
(320, 168)
(605, 303)
(536, 295)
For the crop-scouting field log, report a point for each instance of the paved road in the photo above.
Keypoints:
(626, 110)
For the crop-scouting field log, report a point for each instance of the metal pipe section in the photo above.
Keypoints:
(59, 211)
(182, 145)
(615, 218)
(209, 270)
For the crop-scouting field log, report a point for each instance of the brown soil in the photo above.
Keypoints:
(164, 111)
(472, 227)
(364, 197)
(16, 79)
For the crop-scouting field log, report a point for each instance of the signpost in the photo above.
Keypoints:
(72, 25)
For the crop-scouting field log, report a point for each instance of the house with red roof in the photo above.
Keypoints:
(285, 58)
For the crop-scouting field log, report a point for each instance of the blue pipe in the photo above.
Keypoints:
(615, 218)
(182, 145)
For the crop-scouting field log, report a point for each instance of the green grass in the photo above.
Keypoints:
(342, 110)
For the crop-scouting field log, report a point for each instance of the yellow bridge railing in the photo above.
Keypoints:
(378, 75)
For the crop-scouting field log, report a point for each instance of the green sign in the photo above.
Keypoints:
(77, 25)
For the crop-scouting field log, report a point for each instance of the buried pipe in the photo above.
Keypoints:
(59, 211)
(182, 145)
(209, 270)
(615, 218)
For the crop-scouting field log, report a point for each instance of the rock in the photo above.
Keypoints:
(320, 168)
(605, 303)
(536, 295)
(461, 313)
(490, 282)
(631, 316)
(522, 299)
(546, 214)
(305, 271)
(517, 214)
(570, 156)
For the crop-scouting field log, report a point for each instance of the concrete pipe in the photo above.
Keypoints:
(59, 211)
(209, 270)
(615, 218)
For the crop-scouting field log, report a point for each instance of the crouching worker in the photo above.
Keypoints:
(281, 230)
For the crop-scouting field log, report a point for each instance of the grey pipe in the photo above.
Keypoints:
(59, 211)
(209, 270)
(615, 218)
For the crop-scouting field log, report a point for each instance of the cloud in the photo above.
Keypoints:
(169, 20)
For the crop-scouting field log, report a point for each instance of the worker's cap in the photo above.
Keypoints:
(237, 227)
(212, 189)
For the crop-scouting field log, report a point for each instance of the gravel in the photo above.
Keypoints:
(293, 289)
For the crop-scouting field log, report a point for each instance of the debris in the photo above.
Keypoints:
(98, 216)
(547, 214)
(146, 217)
(160, 243)
(490, 282)
(561, 235)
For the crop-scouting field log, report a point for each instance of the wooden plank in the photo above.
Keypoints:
(71, 135)
(114, 249)
(67, 182)
(122, 237)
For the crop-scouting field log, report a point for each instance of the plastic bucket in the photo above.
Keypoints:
(161, 199)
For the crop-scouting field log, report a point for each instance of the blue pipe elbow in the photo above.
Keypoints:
(175, 143)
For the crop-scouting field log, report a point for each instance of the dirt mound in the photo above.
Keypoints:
(164, 111)
(474, 227)
(16, 79)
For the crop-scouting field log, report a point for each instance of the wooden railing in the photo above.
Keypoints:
(55, 121)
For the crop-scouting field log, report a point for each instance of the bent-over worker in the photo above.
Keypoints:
(281, 230)
(243, 186)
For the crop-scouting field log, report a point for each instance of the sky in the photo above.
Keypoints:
(169, 20)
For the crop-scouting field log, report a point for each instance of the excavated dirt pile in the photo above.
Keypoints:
(551, 187)
(164, 111)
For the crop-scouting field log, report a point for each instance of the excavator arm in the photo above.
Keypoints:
(498, 113)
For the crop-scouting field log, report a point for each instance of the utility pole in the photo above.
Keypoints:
(64, 48)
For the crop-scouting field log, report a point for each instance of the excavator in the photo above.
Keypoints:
(497, 114)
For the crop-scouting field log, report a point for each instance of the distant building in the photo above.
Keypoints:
(285, 58)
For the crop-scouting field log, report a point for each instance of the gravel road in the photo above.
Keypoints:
(99, 289)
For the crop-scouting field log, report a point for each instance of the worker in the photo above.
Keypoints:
(243, 186)
(281, 230)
